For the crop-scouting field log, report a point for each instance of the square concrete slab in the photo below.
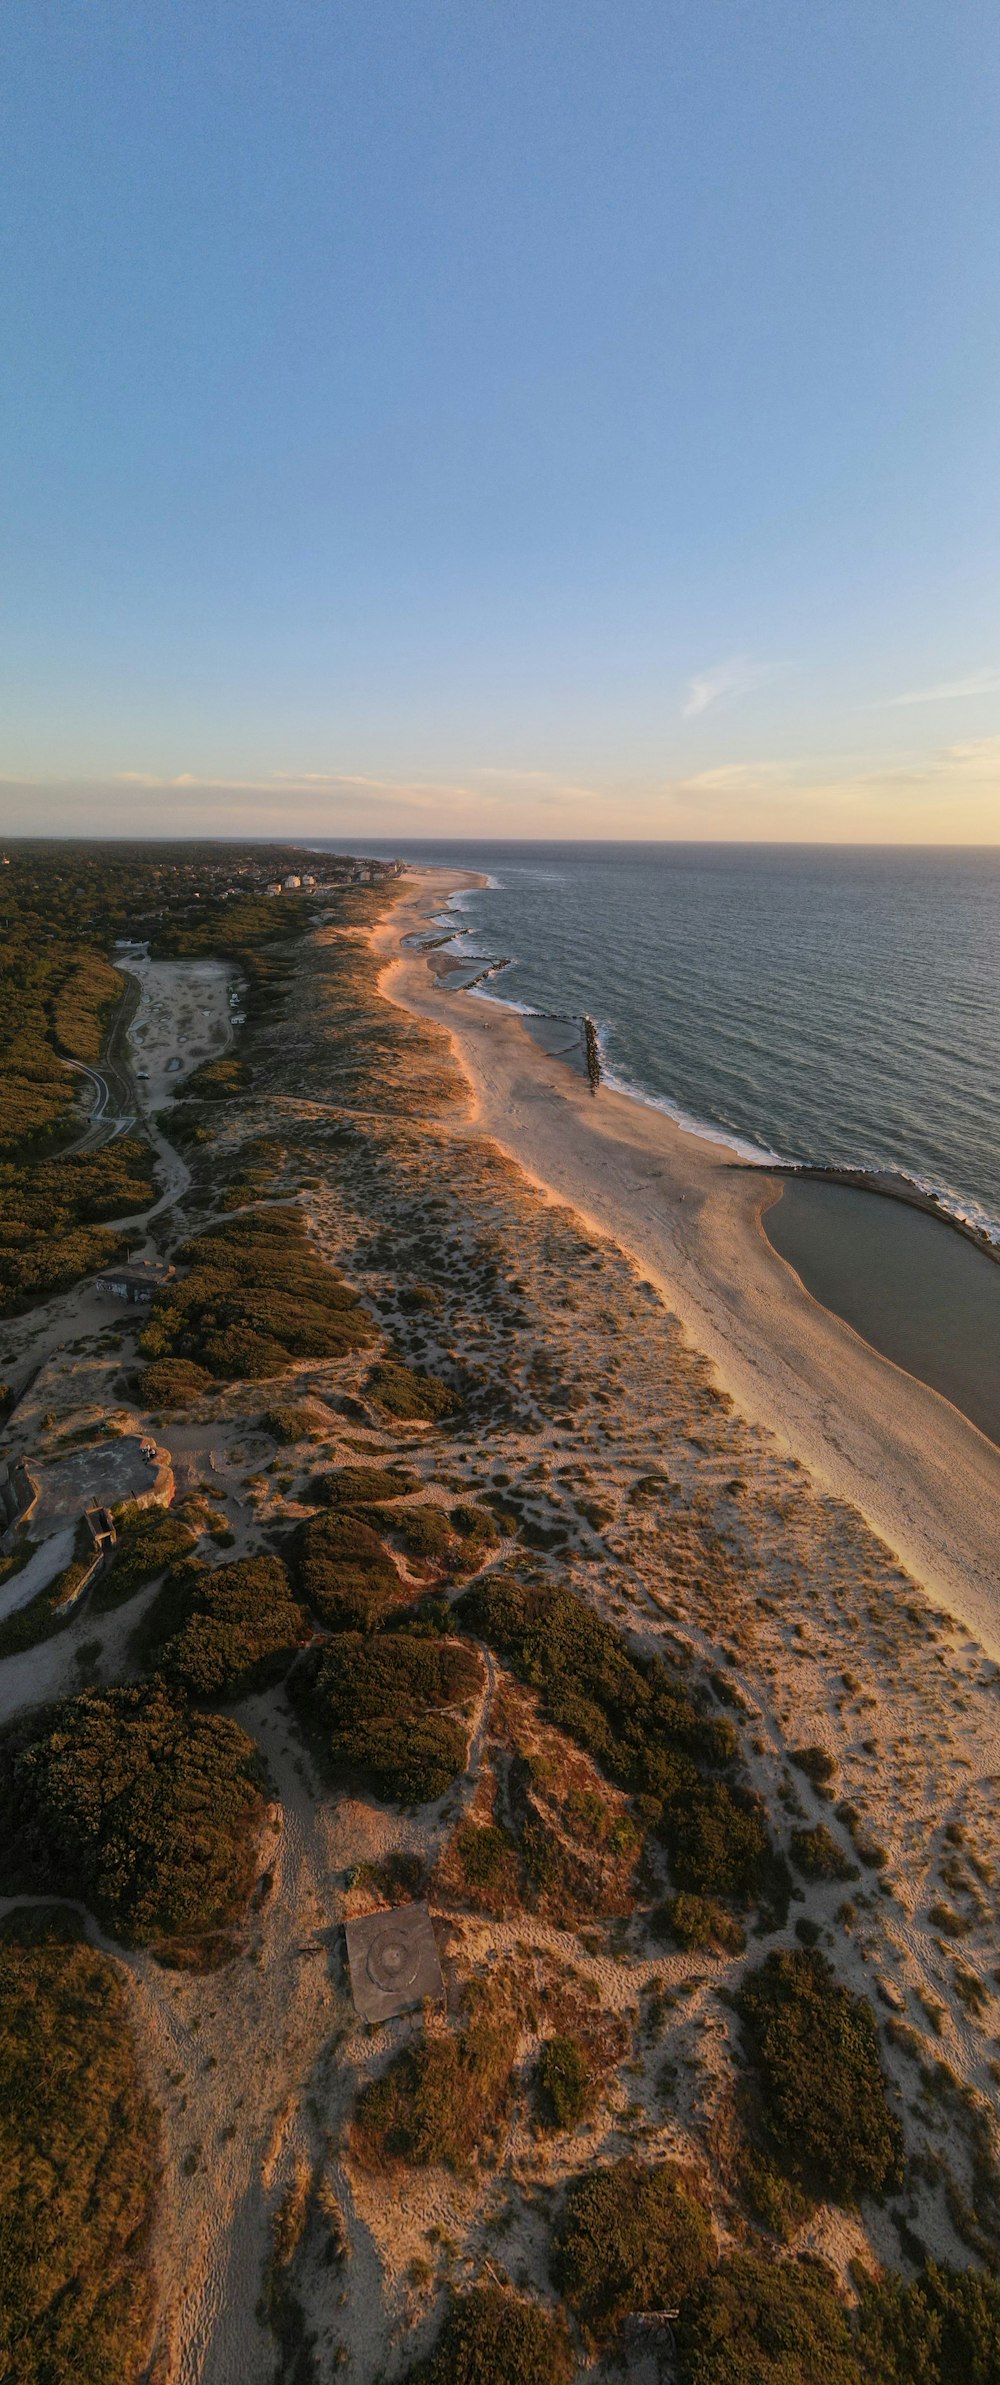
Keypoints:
(394, 1961)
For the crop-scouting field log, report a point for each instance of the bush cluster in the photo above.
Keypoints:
(290, 1422)
(814, 2048)
(78, 2159)
(222, 1631)
(383, 1709)
(757, 2322)
(631, 2239)
(345, 1573)
(697, 1923)
(255, 1297)
(816, 1855)
(53, 1213)
(942, 2329)
(362, 1486)
(175, 1383)
(640, 1723)
(565, 2083)
(443, 2096)
(147, 1810)
(413, 1397)
(149, 1540)
(491, 2334)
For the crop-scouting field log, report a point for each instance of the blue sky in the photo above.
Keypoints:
(497, 418)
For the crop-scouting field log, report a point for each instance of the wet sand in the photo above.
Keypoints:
(690, 1216)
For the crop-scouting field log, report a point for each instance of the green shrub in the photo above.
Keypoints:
(148, 1811)
(42, 1615)
(718, 1843)
(759, 2322)
(443, 2095)
(256, 1296)
(489, 1859)
(289, 1423)
(362, 1486)
(814, 2048)
(50, 1209)
(490, 2337)
(149, 1540)
(425, 1532)
(818, 1766)
(405, 1392)
(222, 1631)
(345, 1573)
(816, 1855)
(943, 2329)
(638, 1720)
(565, 2085)
(175, 1383)
(697, 1923)
(476, 1533)
(376, 1707)
(631, 2239)
(78, 2160)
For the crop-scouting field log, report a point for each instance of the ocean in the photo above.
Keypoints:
(829, 1004)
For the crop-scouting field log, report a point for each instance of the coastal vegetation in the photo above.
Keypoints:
(640, 1723)
(814, 2050)
(345, 1573)
(409, 1394)
(78, 2162)
(941, 2328)
(442, 2098)
(386, 1709)
(565, 2083)
(816, 1855)
(632, 2238)
(362, 1486)
(255, 1296)
(146, 1809)
(220, 1631)
(149, 1540)
(53, 1215)
(761, 2322)
(491, 2333)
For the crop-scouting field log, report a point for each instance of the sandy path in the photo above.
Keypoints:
(690, 1216)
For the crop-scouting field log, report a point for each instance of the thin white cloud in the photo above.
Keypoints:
(546, 785)
(947, 691)
(734, 677)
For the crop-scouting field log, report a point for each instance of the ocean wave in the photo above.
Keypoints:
(754, 1154)
(525, 1010)
(813, 1033)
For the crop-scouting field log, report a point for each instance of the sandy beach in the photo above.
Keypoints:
(690, 1216)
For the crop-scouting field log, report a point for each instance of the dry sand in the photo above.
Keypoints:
(184, 1019)
(690, 1215)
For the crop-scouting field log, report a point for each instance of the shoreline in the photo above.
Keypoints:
(688, 1212)
(892, 1184)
